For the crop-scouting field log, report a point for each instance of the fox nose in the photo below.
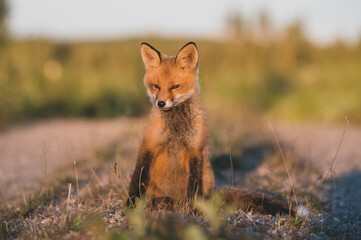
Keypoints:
(161, 104)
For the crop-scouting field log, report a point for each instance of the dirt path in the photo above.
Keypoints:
(23, 149)
(319, 144)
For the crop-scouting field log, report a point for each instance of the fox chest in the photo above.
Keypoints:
(173, 138)
(169, 174)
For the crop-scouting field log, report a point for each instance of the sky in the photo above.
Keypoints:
(324, 20)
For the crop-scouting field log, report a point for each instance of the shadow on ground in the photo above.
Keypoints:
(339, 196)
(246, 162)
(343, 195)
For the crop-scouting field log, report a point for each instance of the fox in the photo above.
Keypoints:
(173, 160)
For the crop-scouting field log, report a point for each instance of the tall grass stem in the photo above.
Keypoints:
(284, 159)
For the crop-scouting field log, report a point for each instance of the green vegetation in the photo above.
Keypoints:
(3, 13)
(286, 76)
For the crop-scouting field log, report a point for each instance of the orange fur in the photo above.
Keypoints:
(176, 136)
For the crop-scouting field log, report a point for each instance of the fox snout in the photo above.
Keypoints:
(164, 105)
(163, 97)
(161, 104)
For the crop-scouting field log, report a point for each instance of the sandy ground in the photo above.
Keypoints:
(319, 144)
(23, 151)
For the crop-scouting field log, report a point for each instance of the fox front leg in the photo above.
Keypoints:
(140, 179)
(195, 185)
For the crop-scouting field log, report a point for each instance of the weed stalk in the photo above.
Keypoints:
(284, 160)
(77, 183)
(45, 157)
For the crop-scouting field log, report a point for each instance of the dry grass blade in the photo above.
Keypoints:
(69, 196)
(45, 157)
(97, 177)
(334, 159)
(87, 186)
(283, 158)
(77, 183)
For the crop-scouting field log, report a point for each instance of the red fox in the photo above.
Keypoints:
(173, 161)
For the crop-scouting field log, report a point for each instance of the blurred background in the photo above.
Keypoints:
(73, 104)
(293, 61)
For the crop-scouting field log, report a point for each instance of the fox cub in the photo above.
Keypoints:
(173, 158)
(173, 163)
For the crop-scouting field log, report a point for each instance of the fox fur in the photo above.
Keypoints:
(173, 161)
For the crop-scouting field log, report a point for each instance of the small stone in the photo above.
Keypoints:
(46, 221)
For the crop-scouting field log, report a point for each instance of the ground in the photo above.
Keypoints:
(37, 165)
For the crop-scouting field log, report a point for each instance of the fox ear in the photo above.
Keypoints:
(151, 57)
(187, 57)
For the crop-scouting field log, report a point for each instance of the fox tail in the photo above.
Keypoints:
(260, 201)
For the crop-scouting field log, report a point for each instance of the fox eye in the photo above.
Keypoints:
(175, 86)
(156, 86)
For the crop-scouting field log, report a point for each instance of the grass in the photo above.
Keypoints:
(96, 208)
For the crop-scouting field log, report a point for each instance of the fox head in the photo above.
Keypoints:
(170, 80)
